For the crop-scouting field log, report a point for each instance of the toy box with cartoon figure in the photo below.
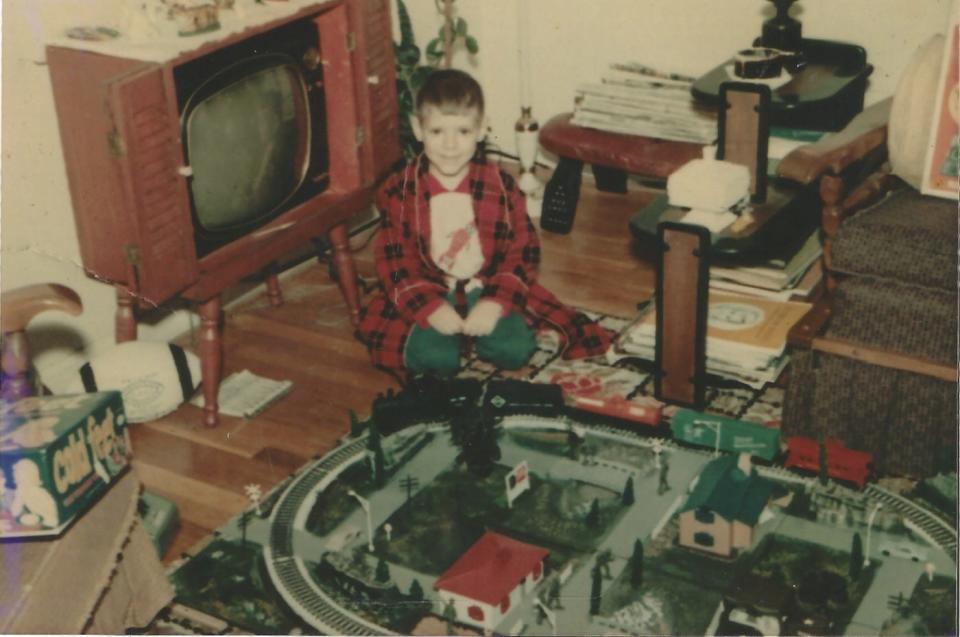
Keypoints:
(58, 455)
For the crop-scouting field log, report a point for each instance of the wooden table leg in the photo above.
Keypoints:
(346, 271)
(211, 357)
(125, 320)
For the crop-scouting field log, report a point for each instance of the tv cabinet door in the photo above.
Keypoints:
(383, 142)
(160, 247)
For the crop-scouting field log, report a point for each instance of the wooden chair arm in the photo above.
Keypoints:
(866, 133)
(811, 325)
(21, 305)
(808, 333)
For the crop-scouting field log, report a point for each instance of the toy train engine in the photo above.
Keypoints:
(423, 399)
(847, 465)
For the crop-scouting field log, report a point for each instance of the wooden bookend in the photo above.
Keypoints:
(683, 276)
(743, 131)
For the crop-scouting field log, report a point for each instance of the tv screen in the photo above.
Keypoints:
(247, 135)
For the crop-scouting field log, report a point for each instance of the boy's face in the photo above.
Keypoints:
(449, 140)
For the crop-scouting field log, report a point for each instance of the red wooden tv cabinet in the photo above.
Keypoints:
(118, 110)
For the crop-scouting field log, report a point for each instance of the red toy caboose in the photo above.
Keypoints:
(844, 464)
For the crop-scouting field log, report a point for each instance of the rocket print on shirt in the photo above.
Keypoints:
(454, 244)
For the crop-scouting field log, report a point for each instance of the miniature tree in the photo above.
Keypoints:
(822, 463)
(593, 517)
(627, 497)
(382, 573)
(475, 432)
(355, 427)
(596, 589)
(416, 591)
(636, 564)
(856, 557)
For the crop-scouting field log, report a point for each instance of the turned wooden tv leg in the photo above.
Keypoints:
(274, 293)
(346, 270)
(211, 358)
(125, 321)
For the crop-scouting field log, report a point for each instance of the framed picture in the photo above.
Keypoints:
(941, 172)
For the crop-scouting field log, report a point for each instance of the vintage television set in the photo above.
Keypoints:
(194, 168)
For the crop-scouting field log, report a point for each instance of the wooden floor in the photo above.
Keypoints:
(309, 340)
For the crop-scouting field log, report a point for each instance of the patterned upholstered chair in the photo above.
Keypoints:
(875, 362)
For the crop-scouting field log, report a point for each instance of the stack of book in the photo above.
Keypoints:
(794, 274)
(746, 337)
(636, 100)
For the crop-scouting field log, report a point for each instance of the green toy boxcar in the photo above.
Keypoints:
(725, 434)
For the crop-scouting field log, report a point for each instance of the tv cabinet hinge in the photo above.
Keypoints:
(351, 41)
(359, 135)
(117, 146)
(132, 253)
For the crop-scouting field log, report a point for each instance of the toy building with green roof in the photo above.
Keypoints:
(724, 506)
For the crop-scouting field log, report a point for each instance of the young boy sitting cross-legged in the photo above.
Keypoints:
(457, 255)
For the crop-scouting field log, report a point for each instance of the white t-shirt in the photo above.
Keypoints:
(454, 242)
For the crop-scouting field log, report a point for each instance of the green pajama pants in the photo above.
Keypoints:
(508, 346)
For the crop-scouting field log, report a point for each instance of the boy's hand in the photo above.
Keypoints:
(446, 320)
(482, 318)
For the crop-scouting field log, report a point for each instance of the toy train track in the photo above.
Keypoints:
(288, 572)
(936, 530)
(292, 581)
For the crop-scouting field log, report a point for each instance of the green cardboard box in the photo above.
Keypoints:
(58, 455)
(160, 520)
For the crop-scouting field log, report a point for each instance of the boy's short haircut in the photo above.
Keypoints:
(452, 91)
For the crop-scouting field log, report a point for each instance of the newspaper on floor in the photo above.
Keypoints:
(244, 394)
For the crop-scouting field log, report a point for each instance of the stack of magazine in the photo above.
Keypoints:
(746, 336)
(793, 275)
(634, 99)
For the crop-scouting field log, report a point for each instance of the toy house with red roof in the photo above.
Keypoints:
(491, 578)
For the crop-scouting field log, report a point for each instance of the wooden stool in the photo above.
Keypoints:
(612, 155)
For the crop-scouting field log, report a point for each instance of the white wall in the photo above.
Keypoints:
(570, 41)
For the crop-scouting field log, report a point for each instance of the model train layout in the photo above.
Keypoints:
(429, 400)
(505, 507)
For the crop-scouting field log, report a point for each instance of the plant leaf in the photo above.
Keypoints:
(434, 49)
(472, 45)
(461, 26)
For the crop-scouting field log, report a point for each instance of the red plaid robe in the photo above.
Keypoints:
(412, 286)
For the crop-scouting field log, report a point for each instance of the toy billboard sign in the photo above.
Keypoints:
(941, 172)
(517, 481)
